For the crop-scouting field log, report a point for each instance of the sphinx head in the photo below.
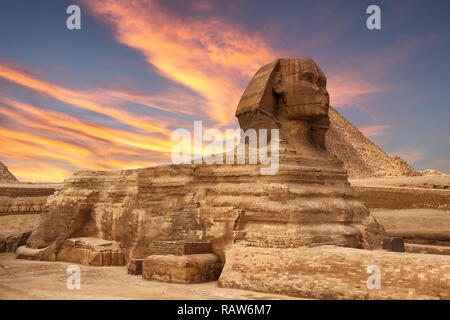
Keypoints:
(289, 94)
(301, 84)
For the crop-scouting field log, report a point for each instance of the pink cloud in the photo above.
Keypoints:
(410, 155)
(375, 130)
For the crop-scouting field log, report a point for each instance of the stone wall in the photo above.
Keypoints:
(20, 206)
(403, 198)
(191, 268)
(330, 272)
(138, 208)
(178, 248)
(20, 198)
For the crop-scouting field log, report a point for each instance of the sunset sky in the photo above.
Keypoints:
(108, 96)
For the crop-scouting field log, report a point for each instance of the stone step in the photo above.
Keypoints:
(429, 249)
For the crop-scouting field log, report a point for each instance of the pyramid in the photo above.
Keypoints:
(362, 158)
(5, 175)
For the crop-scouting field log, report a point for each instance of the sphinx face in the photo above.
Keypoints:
(306, 96)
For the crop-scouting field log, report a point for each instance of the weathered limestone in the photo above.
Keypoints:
(25, 198)
(310, 202)
(23, 202)
(403, 198)
(418, 226)
(394, 244)
(190, 268)
(91, 251)
(329, 272)
(428, 249)
(83, 250)
(135, 266)
(181, 262)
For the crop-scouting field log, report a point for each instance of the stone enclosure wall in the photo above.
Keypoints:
(403, 198)
(20, 206)
(24, 198)
(329, 272)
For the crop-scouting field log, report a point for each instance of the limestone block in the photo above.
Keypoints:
(192, 268)
(394, 244)
(428, 249)
(135, 266)
(91, 251)
(330, 272)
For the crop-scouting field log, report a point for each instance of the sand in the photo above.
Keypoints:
(45, 280)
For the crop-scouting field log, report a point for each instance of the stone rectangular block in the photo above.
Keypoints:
(193, 268)
(135, 266)
(330, 272)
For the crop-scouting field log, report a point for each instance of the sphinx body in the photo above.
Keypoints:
(211, 209)
(310, 201)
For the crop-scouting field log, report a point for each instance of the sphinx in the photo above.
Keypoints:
(183, 221)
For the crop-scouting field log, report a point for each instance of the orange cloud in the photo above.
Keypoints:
(209, 57)
(81, 100)
(65, 124)
(24, 172)
(50, 139)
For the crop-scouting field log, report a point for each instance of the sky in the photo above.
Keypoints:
(109, 96)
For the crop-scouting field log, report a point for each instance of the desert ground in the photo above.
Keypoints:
(42, 280)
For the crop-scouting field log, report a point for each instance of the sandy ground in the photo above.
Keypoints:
(428, 182)
(17, 223)
(47, 280)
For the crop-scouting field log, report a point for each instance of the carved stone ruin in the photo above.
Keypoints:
(185, 222)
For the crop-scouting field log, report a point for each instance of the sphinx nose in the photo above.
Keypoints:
(323, 94)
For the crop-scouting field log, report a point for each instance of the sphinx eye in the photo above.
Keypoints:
(307, 76)
(322, 82)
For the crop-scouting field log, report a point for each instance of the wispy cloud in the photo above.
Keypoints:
(211, 57)
(410, 155)
(82, 100)
(375, 130)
